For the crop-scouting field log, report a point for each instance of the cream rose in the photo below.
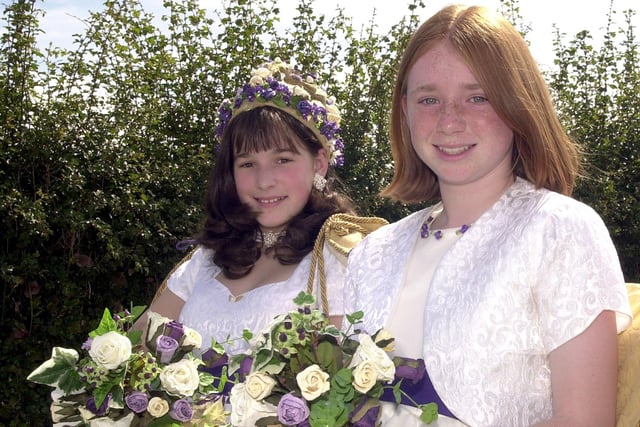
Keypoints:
(368, 350)
(262, 72)
(259, 385)
(364, 376)
(110, 350)
(299, 91)
(333, 113)
(157, 407)
(192, 337)
(256, 81)
(245, 411)
(180, 378)
(385, 334)
(312, 381)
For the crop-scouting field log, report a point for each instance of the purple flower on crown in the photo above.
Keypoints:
(305, 108)
(330, 130)
(268, 93)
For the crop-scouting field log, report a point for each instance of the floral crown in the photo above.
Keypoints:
(276, 84)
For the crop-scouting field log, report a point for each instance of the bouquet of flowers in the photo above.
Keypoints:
(118, 381)
(302, 371)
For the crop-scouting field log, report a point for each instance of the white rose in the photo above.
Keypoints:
(180, 378)
(192, 337)
(368, 350)
(245, 411)
(364, 376)
(110, 350)
(313, 381)
(259, 385)
(157, 407)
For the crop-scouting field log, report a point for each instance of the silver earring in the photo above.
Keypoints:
(319, 182)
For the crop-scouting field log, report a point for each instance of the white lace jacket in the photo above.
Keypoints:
(531, 273)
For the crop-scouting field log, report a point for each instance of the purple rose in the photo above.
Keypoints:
(181, 410)
(410, 369)
(165, 348)
(292, 410)
(102, 410)
(137, 401)
(174, 330)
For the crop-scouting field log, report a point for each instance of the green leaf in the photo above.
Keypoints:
(137, 311)
(117, 396)
(397, 393)
(304, 298)
(356, 317)
(70, 382)
(63, 360)
(101, 392)
(429, 412)
(107, 324)
(327, 357)
(246, 335)
(135, 336)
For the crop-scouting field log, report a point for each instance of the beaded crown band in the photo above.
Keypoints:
(278, 85)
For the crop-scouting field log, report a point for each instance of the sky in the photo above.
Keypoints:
(63, 18)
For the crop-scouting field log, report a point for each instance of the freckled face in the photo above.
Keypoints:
(454, 129)
(277, 183)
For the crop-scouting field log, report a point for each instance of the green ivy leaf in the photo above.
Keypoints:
(63, 360)
(107, 324)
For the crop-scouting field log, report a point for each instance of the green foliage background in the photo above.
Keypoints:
(105, 149)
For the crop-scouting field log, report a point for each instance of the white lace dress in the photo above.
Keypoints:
(530, 274)
(213, 311)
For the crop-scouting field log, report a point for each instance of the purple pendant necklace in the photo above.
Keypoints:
(425, 230)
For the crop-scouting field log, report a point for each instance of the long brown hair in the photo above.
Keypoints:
(500, 59)
(230, 228)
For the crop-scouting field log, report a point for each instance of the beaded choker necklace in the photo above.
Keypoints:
(425, 230)
(269, 238)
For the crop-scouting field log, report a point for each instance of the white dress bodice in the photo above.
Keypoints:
(213, 311)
